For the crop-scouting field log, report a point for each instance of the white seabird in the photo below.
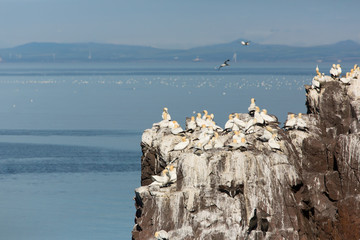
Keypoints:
(161, 180)
(172, 173)
(199, 121)
(334, 71)
(339, 71)
(238, 122)
(242, 145)
(191, 125)
(224, 64)
(273, 144)
(166, 115)
(162, 235)
(346, 79)
(250, 126)
(181, 145)
(245, 43)
(258, 117)
(290, 122)
(268, 131)
(267, 118)
(205, 115)
(229, 123)
(300, 123)
(238, 136)
(316, 83)
(252, 107)
(217, 141)
(176, 129)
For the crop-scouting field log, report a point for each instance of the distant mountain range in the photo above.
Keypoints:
(346, 51)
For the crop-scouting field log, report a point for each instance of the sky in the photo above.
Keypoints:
(178, 24)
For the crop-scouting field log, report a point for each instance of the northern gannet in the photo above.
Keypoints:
(191, 125)
(258, 117)
(202, 142)
(230, 123)
(224, 64)
(252, 107)
(238, 136)
(205, 115)
(300, 123)
(250, 126)
(245, 43)
(238, 122)
(273, 144)
(161, 180)
(176, 129)
(339, 71)
(217, 141)
(316, 83)
(172, 173)
(181, 145)
(162, 235)
(346, 79)
(317, 70)
(199, 121)
(234, 145)
(290, 122)
(334, 71)
(268, 131)
(166, 115)
(268, 118)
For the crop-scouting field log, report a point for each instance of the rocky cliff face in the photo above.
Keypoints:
(307, 190)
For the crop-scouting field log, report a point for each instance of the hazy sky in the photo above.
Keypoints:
(178, 24)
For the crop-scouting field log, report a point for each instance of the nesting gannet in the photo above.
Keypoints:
(316, 83)
(202, 142)
(338, 69)
(176, 129)
(230, 123)
(268, 118)
(252, 107)
(199, 121)
(238, 122)
(258, 117)
(245, 43)
(217, 142)
(224, 64)
(290, 122)
(334, 71)
(181, 145)
(234, 145)
(161, 180)
(346, 79)
(238, 136)
(172, 173)
(191, 124)
(162, 235)
(162, 124)
(205, 115)
(300, 123)
(273, 144)
(166, 115)
(268, 132)
(250, 126)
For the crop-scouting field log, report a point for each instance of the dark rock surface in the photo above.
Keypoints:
(309, 190)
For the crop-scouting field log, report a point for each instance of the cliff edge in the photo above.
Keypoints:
(299, 183)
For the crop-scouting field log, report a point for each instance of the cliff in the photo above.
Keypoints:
(307, 189)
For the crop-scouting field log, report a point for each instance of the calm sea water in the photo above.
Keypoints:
(70, 134)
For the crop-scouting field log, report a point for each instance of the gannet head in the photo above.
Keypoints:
(171, 167)
(338, 66)
(174, 122)
(156, 234)
(208, 117)
(212, 116)
(192, 118)
(165, 109)
(317, 68)
(199, 115)
(183, 139)
(234, 140)
(334, 66)
(355, 66)
(216, 134)
(347, 74)
(299, 115)
(230, 116)
(242, 140)
(236, 115)
(292, 115)
(252, 100)
(205, 112)
(203, 126)
(257, 109)
(264, 111)
(236, 132)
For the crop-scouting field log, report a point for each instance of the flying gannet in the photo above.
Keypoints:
(166, 115)
(273, 144)
(181, 145)
(252, 107)
(191, 124)
(300, 123)
(268, 118)
(161, 180)
(224, 64)
(290, 122)
(245, 43)
(162, 235)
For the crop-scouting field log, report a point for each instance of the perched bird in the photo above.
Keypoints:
(317, 70)
(238, 136)
(268, 118)
(172, 173)
(217, 142)
(199, 121)
(181, 145)
(230, 124)
(335, 71)
(224, 64)
(300, 123)
(346, 79)
(235, 145)
(238, 122)
(250, 126)
(205, 115)
(161, 180)
(268, 131)
(191, 125)
(339, 71)
(166, 115)
(273, 144)
(162, 235)
(316, 83)
(245, 43)
(258, 117)
(290, 122)
(176, 129)
(252, 107)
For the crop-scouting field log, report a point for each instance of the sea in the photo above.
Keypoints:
(70, 133)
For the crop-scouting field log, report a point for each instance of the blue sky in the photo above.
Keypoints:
(178, 24)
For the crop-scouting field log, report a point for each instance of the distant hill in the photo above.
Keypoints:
(85, 52)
